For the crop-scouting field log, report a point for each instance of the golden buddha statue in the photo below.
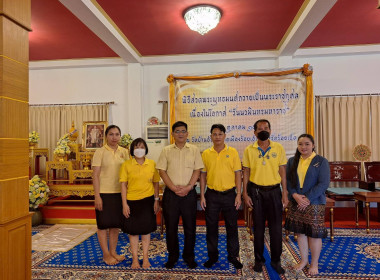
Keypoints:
(73, 133)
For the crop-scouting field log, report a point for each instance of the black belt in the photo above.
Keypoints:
(264, 188)
(224, 192)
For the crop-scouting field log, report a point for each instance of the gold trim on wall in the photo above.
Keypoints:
(69, 207)
(14, 178)
(13, 99)
(70, 221)
(14, 60)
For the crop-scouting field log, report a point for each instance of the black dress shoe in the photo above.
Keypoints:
(170, 264)
(210, 263)
(235, 262)
(191, 264)
(277, 267)
(258, 267)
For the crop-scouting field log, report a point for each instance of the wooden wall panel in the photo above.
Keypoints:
(17, 239)
(14, 199)
(15, 220)
(14, 160)
(14, 80)
(10, 43)
(13, 126)
(15, 256)
(18, 10)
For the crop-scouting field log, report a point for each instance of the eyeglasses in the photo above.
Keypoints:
(180, 131)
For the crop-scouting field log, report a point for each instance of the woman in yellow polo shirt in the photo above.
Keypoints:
(139, 191)
(308, 177)
(106, 164)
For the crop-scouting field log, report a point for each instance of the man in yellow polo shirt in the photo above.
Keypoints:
(179, 165)
(222, 172)
(264, 169)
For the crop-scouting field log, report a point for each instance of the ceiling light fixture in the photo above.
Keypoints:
(202, 18)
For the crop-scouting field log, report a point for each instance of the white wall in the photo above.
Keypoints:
(345, 74)
(137, 89)
(90, 85)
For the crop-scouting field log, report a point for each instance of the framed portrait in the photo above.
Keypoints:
(93, 136)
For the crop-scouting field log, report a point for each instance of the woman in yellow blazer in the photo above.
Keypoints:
(139, 191)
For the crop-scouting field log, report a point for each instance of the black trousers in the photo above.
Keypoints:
(173, 207)
(217, 202)
(267, 206)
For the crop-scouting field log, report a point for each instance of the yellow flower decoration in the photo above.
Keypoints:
(38, 192)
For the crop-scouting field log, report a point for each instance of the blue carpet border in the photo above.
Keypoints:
(289, 259)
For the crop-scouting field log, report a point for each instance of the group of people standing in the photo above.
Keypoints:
(127, 195)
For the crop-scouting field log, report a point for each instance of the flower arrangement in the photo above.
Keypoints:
(34, 137)
(38, 192)
(62, 145)
(126, 140)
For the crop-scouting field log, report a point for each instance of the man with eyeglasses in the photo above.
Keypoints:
(222, 172)
(179, 166)
(264, 169)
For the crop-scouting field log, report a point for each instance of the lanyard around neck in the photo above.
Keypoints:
(264, 152)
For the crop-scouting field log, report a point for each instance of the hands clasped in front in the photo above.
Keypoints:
(302, 201)
(182, 190)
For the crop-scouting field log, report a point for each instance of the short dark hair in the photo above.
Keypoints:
(259, 121)
(178, 124)
(110, 127)
(135, 143)
(218, 126)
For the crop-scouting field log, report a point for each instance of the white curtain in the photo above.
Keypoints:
(375, 127)
(52, 122)
(344, 122)
(46, 121)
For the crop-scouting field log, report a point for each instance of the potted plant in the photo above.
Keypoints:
(38, 195)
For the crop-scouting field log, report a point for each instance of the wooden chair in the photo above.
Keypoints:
(162, 221)
(366, 197)
(372, 175)
(345, 177)
(249, 220)
(330, 203)
(248, 211)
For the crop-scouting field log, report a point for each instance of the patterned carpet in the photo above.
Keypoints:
(353, 255)
(84, 261)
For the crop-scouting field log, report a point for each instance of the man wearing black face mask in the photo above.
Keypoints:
(264, 169)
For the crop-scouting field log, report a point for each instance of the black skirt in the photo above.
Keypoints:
(142, 219)
(112, 213)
